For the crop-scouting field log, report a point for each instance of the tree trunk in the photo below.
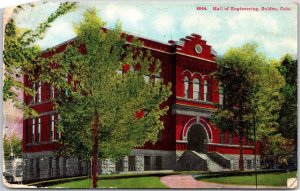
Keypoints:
(241, 160)
(95, 149)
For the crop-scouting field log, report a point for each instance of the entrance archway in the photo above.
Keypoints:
(197, 138)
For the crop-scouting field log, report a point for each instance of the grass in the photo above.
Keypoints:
(137, 182)
(270, 179)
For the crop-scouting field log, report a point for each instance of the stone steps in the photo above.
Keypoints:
(211, 165)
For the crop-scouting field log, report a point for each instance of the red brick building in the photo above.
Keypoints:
(188, 142)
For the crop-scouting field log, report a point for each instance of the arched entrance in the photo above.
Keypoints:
(197, 138)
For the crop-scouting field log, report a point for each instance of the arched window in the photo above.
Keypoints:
(186, 87)
(207, 86)
(196, 89)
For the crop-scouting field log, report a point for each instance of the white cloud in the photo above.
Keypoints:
(128, 14)
(196, 21)
(253, 21)
(163, 23)
(61, 31)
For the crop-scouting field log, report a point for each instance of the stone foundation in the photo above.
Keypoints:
(45, 165)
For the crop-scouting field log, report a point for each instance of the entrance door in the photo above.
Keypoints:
(196, 138)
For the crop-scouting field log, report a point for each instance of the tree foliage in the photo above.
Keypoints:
(12, 147)
(251, 85)
(114, 95)
(21, 55)
(288, 112)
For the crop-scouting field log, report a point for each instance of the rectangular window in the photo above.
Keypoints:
(147, 163)
(37, 167)
(38, 131)
(39, 92)
(221, 99)
(120, 165)
(52, 92)
(230, 138)
(131, 163)
(50, 168)
(158, 163)
(146, 78)
(52, 127)
(222, 138)
(67, 80)
(33, 87)
(59, 132)
(32, 130)
(247, 141)
(57, 167)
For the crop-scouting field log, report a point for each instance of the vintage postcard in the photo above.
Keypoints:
(137, 94)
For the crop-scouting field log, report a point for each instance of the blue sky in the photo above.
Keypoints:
(274, 31)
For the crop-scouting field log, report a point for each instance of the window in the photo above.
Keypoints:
(158, 163)
(147, 163)
(38, 131)
(247, 141)
(221, 98)
(196, 89)
(131, 163)
(32, 130)
(33, 87)
(52, 126)
(158, 78)
(52, 92)
(186, 87)
(59, 132)
(120, 165)
(206, 92)
(222, 138)
(37, 168)
(230, 138)
(39, 93)
(67, 80)
(146, 78)
(50, 167)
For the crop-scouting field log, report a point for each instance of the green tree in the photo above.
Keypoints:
(250, 86)
(12, 147)
(288, 112)
(113, 99)
(21, 55)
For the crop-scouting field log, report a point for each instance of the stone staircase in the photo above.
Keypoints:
(192, 160)
(211, 165)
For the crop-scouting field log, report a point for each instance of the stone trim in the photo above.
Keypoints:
(190, 111)
(228, 145)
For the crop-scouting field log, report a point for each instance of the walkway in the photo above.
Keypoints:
(187, 181)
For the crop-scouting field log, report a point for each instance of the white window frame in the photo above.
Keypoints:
(34, 89)
(196, 89)
(52, 92)
(39, 130)
(58, 119)
(32, 130)
(206, 91)
(186, 87)
(52, 127)
(39, 92)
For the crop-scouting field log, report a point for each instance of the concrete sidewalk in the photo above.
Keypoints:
(187, 181)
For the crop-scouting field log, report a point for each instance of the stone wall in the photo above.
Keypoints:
(45, 165)
(248, 161)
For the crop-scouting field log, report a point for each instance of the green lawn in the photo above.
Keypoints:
(272, 179)
(138, 182)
